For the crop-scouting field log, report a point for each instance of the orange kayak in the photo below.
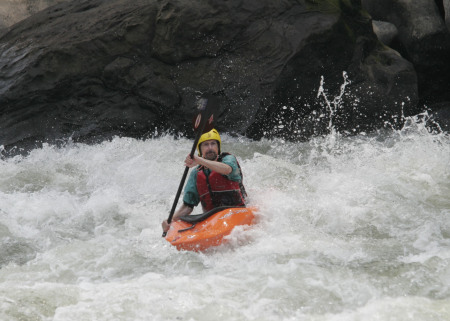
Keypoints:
(199, 232)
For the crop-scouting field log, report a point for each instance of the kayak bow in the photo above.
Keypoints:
(199, 232)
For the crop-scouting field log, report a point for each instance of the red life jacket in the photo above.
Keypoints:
(217, 190)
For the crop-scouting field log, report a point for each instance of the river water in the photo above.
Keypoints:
(349, 228)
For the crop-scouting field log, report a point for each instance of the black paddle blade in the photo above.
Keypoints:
(204, 120)
(208, 126)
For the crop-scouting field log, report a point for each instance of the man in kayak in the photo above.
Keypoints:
(216, 181)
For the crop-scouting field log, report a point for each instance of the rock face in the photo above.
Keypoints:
(385, 31)
(423, 39)
(446, 6)
(91, 69)
(13, 11)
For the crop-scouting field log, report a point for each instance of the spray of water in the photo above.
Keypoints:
(336, 104)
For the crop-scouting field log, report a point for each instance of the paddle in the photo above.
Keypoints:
(204, 120)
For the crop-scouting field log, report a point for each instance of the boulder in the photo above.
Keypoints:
(446, 5)
(13, 11)
(385, 31)
(91, 69)
(424, 40)
(440, 118)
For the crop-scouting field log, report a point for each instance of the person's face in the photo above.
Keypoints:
(210, 149)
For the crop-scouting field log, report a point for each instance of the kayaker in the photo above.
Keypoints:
(216, 181)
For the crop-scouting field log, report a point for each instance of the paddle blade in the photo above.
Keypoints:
(204, 120)
(209, 125)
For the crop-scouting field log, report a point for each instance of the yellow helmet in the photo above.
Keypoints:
(212, 134)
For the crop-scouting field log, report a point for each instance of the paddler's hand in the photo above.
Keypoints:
(183, 210)
(165, 226)
(191, 162)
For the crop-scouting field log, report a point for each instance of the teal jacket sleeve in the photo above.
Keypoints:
(191, 197)
(235, 175)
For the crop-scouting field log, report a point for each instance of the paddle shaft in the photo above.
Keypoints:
(205, 114)
(183, 179)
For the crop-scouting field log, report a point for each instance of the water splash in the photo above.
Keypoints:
(336, 104)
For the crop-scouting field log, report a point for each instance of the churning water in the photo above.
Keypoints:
(349, 229)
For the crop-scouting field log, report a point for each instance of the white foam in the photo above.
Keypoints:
(346, 227)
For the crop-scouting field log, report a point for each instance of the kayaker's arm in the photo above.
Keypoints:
(182, 211)
(215, 166)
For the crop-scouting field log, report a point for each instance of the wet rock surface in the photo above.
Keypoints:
(89, 70)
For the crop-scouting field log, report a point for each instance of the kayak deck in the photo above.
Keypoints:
(198, 235)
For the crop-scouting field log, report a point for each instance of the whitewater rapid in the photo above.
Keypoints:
(349, 228)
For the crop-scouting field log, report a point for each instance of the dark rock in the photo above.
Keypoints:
(440, 7)
(12, 12)
(424, 40)
(385, 31)
(92, 69)
(440, 116)
(446, 5)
